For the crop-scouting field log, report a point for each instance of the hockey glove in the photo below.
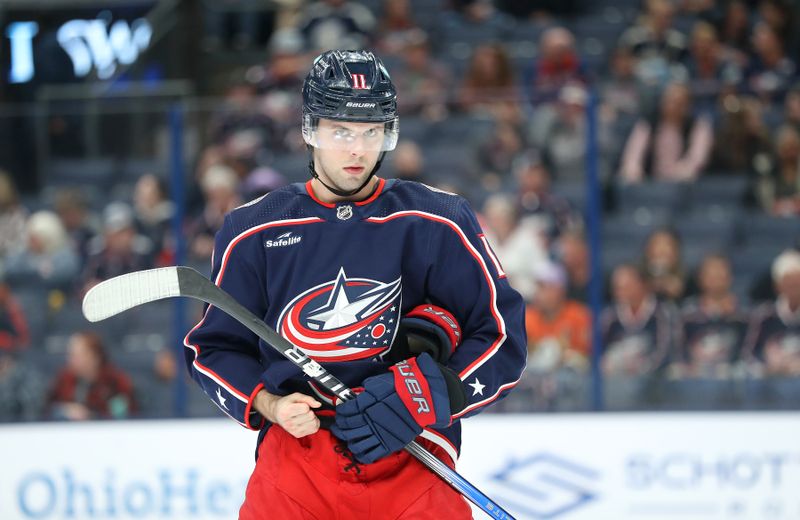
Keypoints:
(426, 328)
(394, 407)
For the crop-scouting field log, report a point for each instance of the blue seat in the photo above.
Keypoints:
(727, 190)
(769, 232)
(460, 130)
(574, 192)
(81, 171)
(652, 195)
(715, 231)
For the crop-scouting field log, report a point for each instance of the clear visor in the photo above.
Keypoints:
(345, 135)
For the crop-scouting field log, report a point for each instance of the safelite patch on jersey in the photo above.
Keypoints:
(343, 319)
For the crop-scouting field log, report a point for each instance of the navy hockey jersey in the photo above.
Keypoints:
(712, 339)
(774, 326)
(335, 279)
(639, 344)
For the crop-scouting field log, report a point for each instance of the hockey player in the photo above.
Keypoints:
(391, 285)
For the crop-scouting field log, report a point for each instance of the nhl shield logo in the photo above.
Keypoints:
(344, 212)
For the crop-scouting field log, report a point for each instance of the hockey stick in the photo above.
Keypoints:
(124, 292)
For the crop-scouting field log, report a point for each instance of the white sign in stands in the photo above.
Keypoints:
(562, 467)
(704, 466)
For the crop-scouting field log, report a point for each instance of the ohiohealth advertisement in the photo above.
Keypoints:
(708, 466)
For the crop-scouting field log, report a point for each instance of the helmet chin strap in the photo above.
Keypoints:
(336, 191)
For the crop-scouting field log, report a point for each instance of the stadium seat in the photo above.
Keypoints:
(776, 234)
(99, 172)
(662, 196)
(574, 192)
(702, 228)
(725, 190)
(462, 130)
(701, 394)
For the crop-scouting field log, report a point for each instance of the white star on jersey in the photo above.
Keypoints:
(478, 387)
(221, 399)
(340, 312)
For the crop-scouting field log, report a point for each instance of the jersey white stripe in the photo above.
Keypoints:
(441, 441)
(493, 257)
(255, 229)
(200, 368)
(487, 400)
(197, 366)
(476, 254)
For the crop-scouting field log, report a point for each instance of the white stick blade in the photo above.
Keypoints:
(121, 293)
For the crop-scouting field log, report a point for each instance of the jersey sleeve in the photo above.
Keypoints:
(467, 279)
(222, 354)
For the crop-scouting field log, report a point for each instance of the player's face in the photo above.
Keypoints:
(347, 152)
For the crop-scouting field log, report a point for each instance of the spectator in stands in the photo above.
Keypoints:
(657, 45)
(221, 193)
(119, 250)
(408, 163)
(742, 143)
(558, 343)
(710, 71)
(21, 389)
(621, 91)
(424, 81)
(90, 386)
(714, 325)
(394, 26)
(772, 344)
(496, 155)
(78, 221)
(476, 16)
(550, 212)
(662, 263)
(518, 245)
(276, 83)
(735, 30)
(558, 328)
(240, 127)
(573, 253)
(48, 261)
(779, 16)
(153, 215)
(12, 216)
(779, 189)
(674, 147)
(261, 181)
(489, 79)
(559, 130)
(557, 64)
(336, 24)
(770, 71)
(235, 23)
(13, 325)
(791, 107)
(638, 331)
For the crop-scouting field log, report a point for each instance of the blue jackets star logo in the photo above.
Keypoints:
(343, 319)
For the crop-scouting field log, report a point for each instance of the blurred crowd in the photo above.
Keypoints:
(690, 96)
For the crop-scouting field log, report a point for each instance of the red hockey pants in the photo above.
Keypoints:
(312, 479)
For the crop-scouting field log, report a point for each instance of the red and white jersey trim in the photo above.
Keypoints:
(441, 441)
(199, 366)
(493, 257)
(501, 326)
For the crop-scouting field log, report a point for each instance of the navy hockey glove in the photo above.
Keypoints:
(394, 407)
(426, 328)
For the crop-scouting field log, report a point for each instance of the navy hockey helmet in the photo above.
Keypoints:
(350, 86)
